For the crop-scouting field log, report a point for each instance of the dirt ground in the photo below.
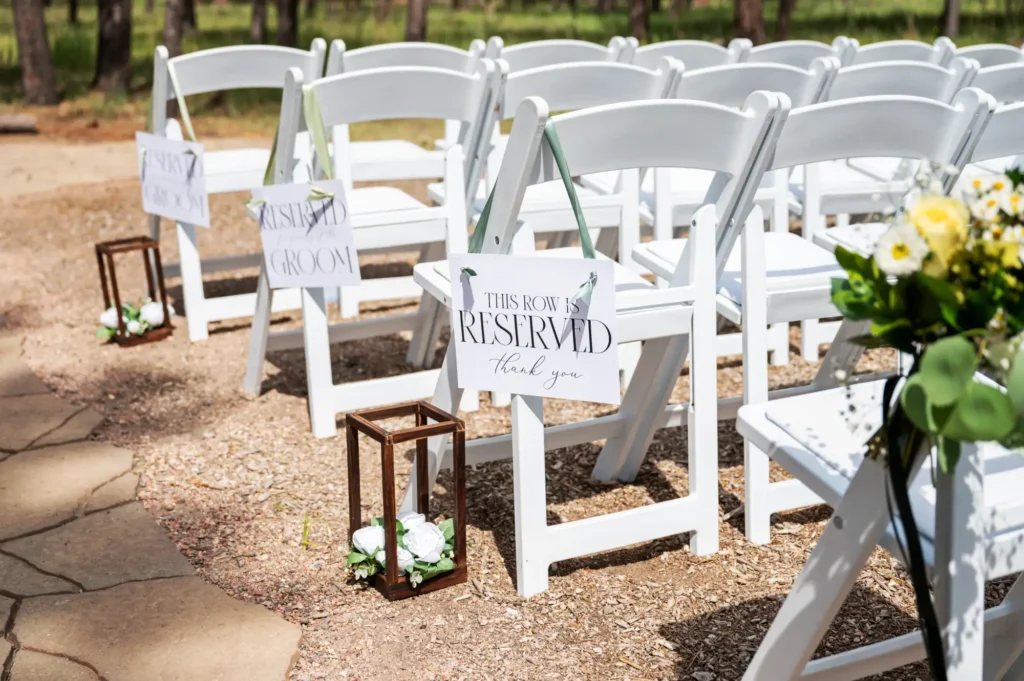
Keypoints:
(234, 479)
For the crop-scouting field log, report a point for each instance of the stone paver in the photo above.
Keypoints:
(114, 492)
(78, 427)
(43, 487)
(23, 580)
(15, 376)
(178, 629)
(103, 549)
(33, 666)
(28, 418)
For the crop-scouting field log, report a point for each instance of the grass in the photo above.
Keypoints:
(74, 46)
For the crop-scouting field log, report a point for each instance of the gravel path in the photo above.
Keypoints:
(233, 480)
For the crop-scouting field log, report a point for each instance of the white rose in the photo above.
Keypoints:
(152, 314)
(134, 327)
(405, 559)
(411, 519)
(426, 542)
(369, 540)
(109, 318)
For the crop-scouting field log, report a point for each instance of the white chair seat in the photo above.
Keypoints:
(383, 160)
(798, 273)
(819, 437)
(230, 170)
(380, 199)
(546, 196)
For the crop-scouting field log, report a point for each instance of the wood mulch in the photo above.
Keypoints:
(234, 479)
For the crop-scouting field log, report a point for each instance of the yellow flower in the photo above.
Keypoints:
(943, 222)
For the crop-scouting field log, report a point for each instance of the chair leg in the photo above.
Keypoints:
(349, 301)
(778, 354)
(629, 355)
(1003, 659)
(530, 495)
(258, 335)
(192, 283)
(809, 344)
(842, 355)
(420, 350)
(317, 346)
(447, 397)
(858, 523)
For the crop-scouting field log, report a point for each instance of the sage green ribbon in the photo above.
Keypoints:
(186, 120)
(476, 241)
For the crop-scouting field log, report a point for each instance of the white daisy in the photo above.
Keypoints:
(901, 250)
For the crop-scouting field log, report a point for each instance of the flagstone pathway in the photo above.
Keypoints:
(91, 589)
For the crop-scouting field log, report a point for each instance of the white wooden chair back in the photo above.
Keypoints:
(434, 55)
(731, 85)
(340, 60)
(801, 53)
(550, 52)
(393, 93)
(694, 54)
(909, 78)
(993, 54)
(648, 134)
(1004, 135)
(940, 52)
(228, 68)
(1004, 82)
(579, 85)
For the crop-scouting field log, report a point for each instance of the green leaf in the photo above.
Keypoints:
(854, 262)
(1015, 383)
(982, 414)
(1015, 439)
(445, 565)
(946, 369)
(447, 528)
(376, 522)
(914, 399)
(949, 454)
(356, 557)
(105, 333)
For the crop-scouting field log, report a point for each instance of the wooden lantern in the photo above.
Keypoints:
(150, 249)
(389, 583)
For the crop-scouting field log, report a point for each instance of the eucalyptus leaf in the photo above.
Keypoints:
(946, 369)
(914, 399)
(982, 414)
(1015, 383)
(949, 454)
(446, 565)
(447, 528)
(356, 557)
(105, 333)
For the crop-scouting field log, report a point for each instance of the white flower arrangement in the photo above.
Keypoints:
(425, 550)
(137, 321)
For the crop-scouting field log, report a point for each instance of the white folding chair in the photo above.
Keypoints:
(869, 185)
(941, 52)
(375, 160)
(694, 54)
(800, 53)
(406, 224)
(675, 194)
(671, 320)
(217, 70)
(971, 525)
(992, 54)
(615, 211)
(536, 53)
(1006, 83)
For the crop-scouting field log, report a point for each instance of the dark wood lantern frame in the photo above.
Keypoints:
(150, 249)
(389, 582)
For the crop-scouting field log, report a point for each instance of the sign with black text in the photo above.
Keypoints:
(307, 235)
(173, 180)
(535, 326)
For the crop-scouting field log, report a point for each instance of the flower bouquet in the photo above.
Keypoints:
(425, 550)
(137, 320)
(945, 286)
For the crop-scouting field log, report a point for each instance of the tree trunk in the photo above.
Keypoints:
(416, 20)
(639, 20)
(34, 52)
(150, 6)
(951, 18)
(72, 11)
(383, 10)
(457, 4)
(114, 49)
(749, 21)
(258, 28)
(188, 16)
(288, 23)
(604, 6)
(784, 19)
(310, 7)
(655, 6)
(174, 26)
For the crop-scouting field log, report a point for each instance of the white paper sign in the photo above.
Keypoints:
(173, 179)
(307, 235)
(519, 326)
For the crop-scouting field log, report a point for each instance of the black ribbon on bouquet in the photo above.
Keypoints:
(896, 423)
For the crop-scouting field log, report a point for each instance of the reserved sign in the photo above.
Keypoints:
(307, 235)
(533, 326)
(173, 180)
